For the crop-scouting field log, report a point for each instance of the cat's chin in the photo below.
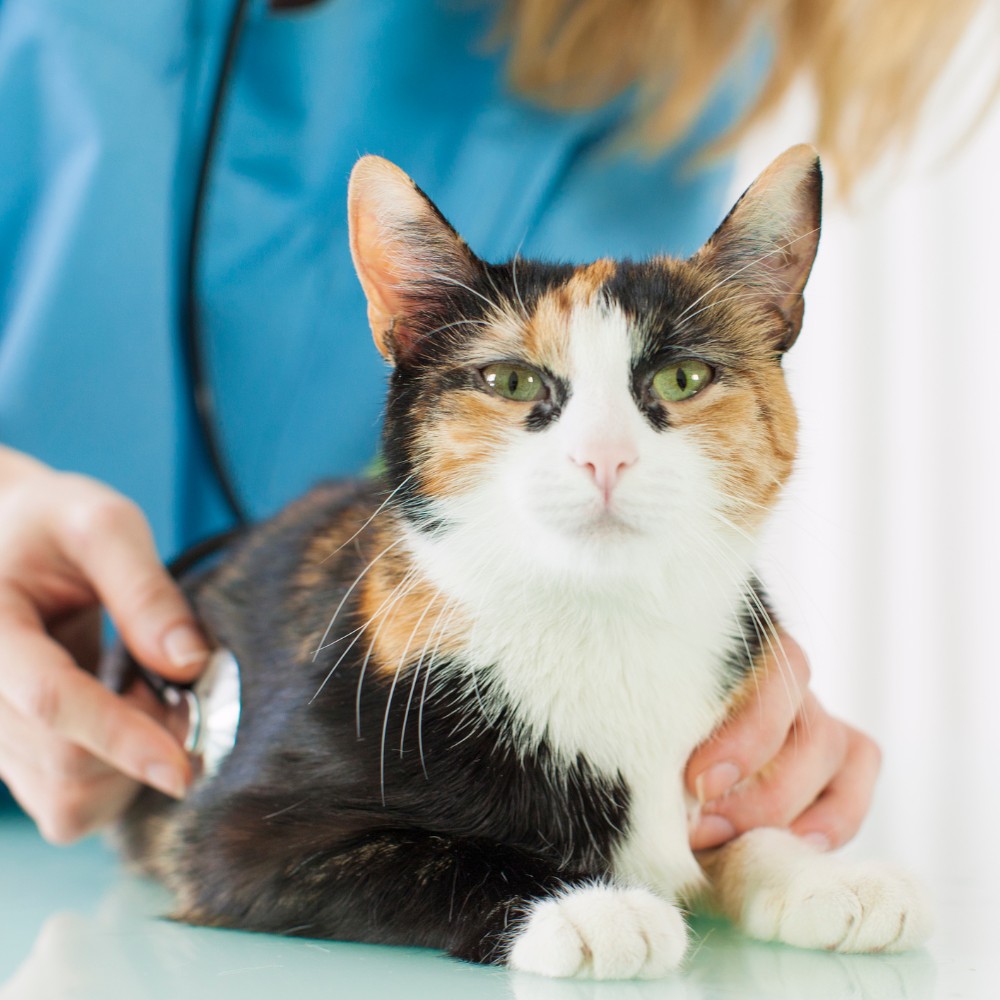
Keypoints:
(604, 546)
(607, 527)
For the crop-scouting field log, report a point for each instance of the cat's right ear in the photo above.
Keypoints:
(405, 252)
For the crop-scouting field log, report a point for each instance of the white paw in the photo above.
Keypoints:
(601, 932)
(842, 907)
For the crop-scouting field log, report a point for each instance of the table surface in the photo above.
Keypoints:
(74, 924)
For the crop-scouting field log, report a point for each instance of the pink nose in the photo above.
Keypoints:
(605, 461)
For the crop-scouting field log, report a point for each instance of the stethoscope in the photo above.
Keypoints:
(213, 702)
(201, 393)
(200, 388)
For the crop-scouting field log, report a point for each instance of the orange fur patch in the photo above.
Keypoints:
(748, 423)
(725, 870)
(326, 544)
(750, 432)
(543, 340)
(463, 437)
(586, 282)
(405, 616)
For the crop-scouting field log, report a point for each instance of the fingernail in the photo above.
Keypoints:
(167, 780)
(712, 831)
(716, 781)
(818, 840)
(185, 647)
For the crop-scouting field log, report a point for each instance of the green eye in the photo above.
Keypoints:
(681, 380)
(523, 385)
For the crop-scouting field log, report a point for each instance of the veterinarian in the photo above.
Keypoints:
(183, 342)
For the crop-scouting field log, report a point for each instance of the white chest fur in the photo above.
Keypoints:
(631, 677)
(630, 693)
(602, 606)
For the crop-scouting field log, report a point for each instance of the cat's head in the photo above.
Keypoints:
(587, 415)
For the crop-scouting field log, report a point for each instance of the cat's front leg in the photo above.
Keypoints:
(599, 931)
(776, 887)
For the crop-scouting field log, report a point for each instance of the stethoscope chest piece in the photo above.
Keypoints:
(213, 704)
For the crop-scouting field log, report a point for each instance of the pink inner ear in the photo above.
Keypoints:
(769, 239)
(399, 241)
(373, 263)
(382, 201)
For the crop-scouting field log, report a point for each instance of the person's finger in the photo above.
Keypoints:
(43, 684)
(759, 727)
(775, 796)
(108, 539)
(173, 717)
(46, 753)
(837, 814)
(66, 790)
(65, 813)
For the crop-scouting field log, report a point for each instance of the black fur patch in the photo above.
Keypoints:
(355, 808)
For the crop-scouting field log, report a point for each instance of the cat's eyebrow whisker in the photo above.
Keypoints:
(457, 322)
(489, 277)
(740, 270)
(517, 291)
(687, 316)
(450, 280)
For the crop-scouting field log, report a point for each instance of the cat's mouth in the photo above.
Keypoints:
(586, 521)
(608, 524)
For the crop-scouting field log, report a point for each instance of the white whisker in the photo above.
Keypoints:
(517, 291)
(340, 606)
(378, 511)
(402, 588)
(395, 679)
(449, 280)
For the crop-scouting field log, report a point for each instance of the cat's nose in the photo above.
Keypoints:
(605, 461)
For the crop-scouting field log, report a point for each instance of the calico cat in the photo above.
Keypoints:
(470, 686)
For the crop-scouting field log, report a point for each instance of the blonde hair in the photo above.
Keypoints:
(870, 63)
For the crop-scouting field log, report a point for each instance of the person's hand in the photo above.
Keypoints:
(72, 752)
(781, 760)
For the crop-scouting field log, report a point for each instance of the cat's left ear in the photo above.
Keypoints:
(768, 241)
(406, 254)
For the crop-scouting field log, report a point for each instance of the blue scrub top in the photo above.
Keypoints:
(104, 107)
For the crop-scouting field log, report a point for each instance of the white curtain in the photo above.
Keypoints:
(884, 559)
